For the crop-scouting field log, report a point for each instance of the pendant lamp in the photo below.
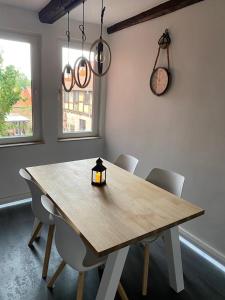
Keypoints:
(67, 74)
(82, 67)
(102, 52)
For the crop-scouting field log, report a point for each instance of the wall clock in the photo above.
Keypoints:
(161, 77)
(160, 80)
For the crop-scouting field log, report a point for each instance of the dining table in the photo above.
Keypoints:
(111, 218)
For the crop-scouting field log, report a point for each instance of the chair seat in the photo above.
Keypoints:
(92, 260)
(43, 213)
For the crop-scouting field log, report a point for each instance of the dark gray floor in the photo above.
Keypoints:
(20, 268)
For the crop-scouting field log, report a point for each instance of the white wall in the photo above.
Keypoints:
(184, 130)
(13, 158)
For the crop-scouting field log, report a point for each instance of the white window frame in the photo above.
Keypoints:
(95, 105)
(35, 42)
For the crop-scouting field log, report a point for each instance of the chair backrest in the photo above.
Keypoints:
(38, 210)
(167, 180)
(127, 162)
(68, 243)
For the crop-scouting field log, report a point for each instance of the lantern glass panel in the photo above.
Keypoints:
(98, 177)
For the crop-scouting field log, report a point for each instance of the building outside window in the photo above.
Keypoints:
(82, 124)
(78, 105)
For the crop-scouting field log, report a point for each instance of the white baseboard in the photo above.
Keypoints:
(220, 257)
(13, 198)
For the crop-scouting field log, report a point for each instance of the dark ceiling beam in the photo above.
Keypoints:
(155, 12)
(56, 9)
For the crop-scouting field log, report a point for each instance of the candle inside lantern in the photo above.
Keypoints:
(98, 177)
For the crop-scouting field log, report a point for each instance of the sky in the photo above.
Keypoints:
(16, 54)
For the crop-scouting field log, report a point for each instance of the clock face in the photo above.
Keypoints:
(159, 81)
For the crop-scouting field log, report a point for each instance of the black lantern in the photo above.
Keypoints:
(98, 174)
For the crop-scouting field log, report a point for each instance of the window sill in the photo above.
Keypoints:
(78, 138)
(7, 145)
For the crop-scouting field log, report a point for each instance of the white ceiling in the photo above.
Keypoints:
(116, 10)
(34, 5)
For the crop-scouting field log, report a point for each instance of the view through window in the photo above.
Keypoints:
(15, 89)
(78, 104)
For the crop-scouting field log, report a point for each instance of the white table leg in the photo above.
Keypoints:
(174, 261)
(36, 222)
(111, 275)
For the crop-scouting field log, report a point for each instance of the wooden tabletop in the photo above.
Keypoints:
(124, 211)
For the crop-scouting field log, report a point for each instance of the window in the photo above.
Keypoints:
(18, 107)
(80, 106)
(82, 124)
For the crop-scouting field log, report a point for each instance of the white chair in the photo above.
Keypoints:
(42, 215)
(127, 162)
(173, 183)
(73, 252)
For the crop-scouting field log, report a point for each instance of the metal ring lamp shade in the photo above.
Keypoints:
(68, 70)
(82, 64)
(102, 52)
(82, 67)
(98, 67)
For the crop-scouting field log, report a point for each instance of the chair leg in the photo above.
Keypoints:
(36, 221)
(48, 250)
(122, 292)
(56, 274)
(35, 233)
(145, 271)
(80, 286)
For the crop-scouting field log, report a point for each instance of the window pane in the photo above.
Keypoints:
(15, 89)
(77, 105)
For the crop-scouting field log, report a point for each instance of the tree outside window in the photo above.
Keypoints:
(15, 91)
